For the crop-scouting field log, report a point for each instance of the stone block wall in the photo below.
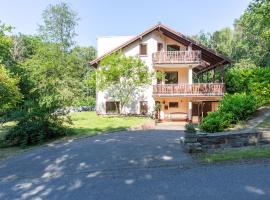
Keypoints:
(211, 141)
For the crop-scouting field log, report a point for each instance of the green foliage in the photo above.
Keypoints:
(240, 105)
(9, 91)
(123, 77)
(254, 32)
(232, 109)
(24, 46)
(59, 25)
(5, 45)
(189, 128)
(252, 80)
(223, 41)
(36, 126)
(216, 121)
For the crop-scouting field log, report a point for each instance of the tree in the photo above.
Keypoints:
(59, 25)
(223, 41)
(9, 91)
(254, 32)
(53, 87)
(5, 45)
(122, 77)
(24, 46)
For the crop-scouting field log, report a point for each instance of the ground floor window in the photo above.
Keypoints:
(112, 107)
(143, 107)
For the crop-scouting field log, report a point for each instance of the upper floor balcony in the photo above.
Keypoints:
(185, 89)
(177, 57)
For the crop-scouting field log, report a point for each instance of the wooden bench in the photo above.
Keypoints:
(178, 116)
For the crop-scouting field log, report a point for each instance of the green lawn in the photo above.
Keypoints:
(88, 123)
(236, 154)
(84, 123)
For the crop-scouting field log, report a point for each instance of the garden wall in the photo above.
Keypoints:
(211, 141)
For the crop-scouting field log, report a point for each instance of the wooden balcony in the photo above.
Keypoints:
(176, 57)
(185, 89)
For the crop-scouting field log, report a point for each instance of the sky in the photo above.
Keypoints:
(127, 17)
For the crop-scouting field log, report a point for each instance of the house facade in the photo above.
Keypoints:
(191, 84)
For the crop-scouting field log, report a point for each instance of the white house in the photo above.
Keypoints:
(181, 93)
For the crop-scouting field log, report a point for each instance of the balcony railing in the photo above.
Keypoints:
(176, 57)
(195, 89)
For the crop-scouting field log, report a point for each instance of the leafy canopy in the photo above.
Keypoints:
(9, 91)
(122, 77)
(59, 23)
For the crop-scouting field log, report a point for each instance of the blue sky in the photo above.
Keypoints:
(127, 17)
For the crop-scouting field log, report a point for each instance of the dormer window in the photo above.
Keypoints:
(143, 50)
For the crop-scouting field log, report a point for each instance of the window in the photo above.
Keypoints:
(143, 49)
(143, 107)
(112, 107)
(171, 77)
(173, 104)
(159, 46)
(173, 47)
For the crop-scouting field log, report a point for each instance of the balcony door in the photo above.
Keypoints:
(171, 77)
(173, 47)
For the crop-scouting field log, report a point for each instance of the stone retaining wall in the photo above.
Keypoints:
(212, 141)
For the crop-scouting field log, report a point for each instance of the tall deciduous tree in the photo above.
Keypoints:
(254, 29)
(122, 77)
(59, 23)
(9, 91)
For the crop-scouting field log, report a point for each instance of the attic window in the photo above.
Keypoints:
(143, 49)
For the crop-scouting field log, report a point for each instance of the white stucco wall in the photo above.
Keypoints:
(108, 43)
(133, 50)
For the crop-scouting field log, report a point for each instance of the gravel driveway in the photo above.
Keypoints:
(127, 165)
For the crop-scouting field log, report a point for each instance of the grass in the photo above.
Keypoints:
(84, 124)
(236, 154)
(88, 123)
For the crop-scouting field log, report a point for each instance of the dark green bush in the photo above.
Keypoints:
(216, 121)
(36, 128)
(189, 128)
(239, 104)
(254, 81)
(232, 109)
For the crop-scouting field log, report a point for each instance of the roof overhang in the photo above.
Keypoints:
(210, 56)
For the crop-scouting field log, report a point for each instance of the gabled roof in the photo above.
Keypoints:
(210, 56)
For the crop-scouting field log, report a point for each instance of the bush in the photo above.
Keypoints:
(216, 121)
(232, 109)
(254, 81)
(36, 128)
(240, 105)
(189, 128)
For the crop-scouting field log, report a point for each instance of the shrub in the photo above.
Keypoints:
(232, 109)
(36, 127)
(252, 80)
(216, 121)
(240, 105)
(189, 128)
